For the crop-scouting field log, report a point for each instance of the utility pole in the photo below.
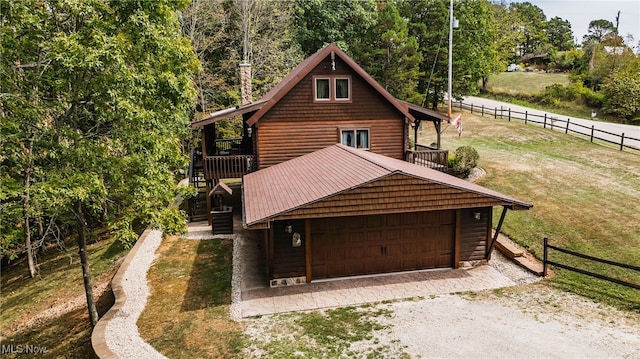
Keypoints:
(450, 55)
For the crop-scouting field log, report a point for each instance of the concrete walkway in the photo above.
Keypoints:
(257, 299)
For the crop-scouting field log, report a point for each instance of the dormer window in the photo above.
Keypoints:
(357, 138)
(332, 89)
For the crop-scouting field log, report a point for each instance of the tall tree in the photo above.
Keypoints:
(474, 50)
(560, 34)
(533, 28)
(509, 34)
(320, 22)
(598, 31)
(391, 56)
(115, 88)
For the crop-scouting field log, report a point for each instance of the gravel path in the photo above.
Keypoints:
(122, 335)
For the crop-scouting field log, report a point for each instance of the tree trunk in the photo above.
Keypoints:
(86, 271)
(434, 104)
(485, 80)
(26, 197)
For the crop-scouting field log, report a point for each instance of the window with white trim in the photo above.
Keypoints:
(321, 89)
(356, 138)
(332, 88)
(342, 89)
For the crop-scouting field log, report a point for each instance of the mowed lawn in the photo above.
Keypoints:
(586, 198)
(524, 83)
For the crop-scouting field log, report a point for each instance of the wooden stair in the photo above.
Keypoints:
(518, 255)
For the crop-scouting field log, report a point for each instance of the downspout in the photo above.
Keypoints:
(495, 236)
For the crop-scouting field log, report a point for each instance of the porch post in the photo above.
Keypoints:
(495, 236)
(437, 124)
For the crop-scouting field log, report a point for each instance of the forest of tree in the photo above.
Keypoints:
(97, 95)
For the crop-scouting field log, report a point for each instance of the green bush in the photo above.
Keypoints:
(466, 159)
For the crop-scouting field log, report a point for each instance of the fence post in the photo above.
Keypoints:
(482, 112)
(566, 130)
(501, 117)
(621, 142)
(495, 113)
(526, 115)
(545, 121)
(461, 105)
(544, 260)
(592, 133)
(471, 108)
(509, 114)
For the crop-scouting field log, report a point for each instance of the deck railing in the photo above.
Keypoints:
(426, 156)
(233, 166)
(226, 145)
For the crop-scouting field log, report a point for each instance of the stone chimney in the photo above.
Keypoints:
(245, 83)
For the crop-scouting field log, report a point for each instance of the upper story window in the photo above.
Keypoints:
(332, 89)
(358, 138)
(322, 91)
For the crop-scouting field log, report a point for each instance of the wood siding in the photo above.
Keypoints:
(287, 261)
(284, 140)
(296, 125)
(382, 243)
(474, 234)
(397, 193)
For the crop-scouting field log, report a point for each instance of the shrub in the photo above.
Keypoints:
(466, 159)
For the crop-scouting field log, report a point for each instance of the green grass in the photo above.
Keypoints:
(327, 334)
(64, 333)
(524, 83)
(187, 315)
(520, 88)
(585, 198)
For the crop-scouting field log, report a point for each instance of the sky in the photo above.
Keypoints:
(581, 12)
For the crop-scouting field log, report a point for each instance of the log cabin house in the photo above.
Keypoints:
(330, 180)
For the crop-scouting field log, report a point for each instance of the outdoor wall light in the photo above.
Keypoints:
(288, 228)
(249, 131)
(476, 215)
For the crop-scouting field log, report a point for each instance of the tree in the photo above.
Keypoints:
(622, 93)
(474, 50)
(509, 36)
(391, 56)
(320, 22)
(533, 22)
(114, 90)
(599, 31)
(560, 34)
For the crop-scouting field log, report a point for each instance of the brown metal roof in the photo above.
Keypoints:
(421, 113)
(227, 113)
(307, 180)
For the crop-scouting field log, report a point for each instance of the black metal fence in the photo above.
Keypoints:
(546, 262)
(555, 123)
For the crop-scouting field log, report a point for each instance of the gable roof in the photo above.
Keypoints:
(293, 78)
(297, 188)
(306, 66)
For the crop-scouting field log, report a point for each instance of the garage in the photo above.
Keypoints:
(341, 212)
(351, 246)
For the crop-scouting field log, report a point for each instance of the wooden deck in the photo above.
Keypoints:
(432, 158)
(231, 166)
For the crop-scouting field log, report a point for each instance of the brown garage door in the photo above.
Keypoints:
(350, 246)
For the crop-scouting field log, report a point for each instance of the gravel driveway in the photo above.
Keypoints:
(523, 321)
